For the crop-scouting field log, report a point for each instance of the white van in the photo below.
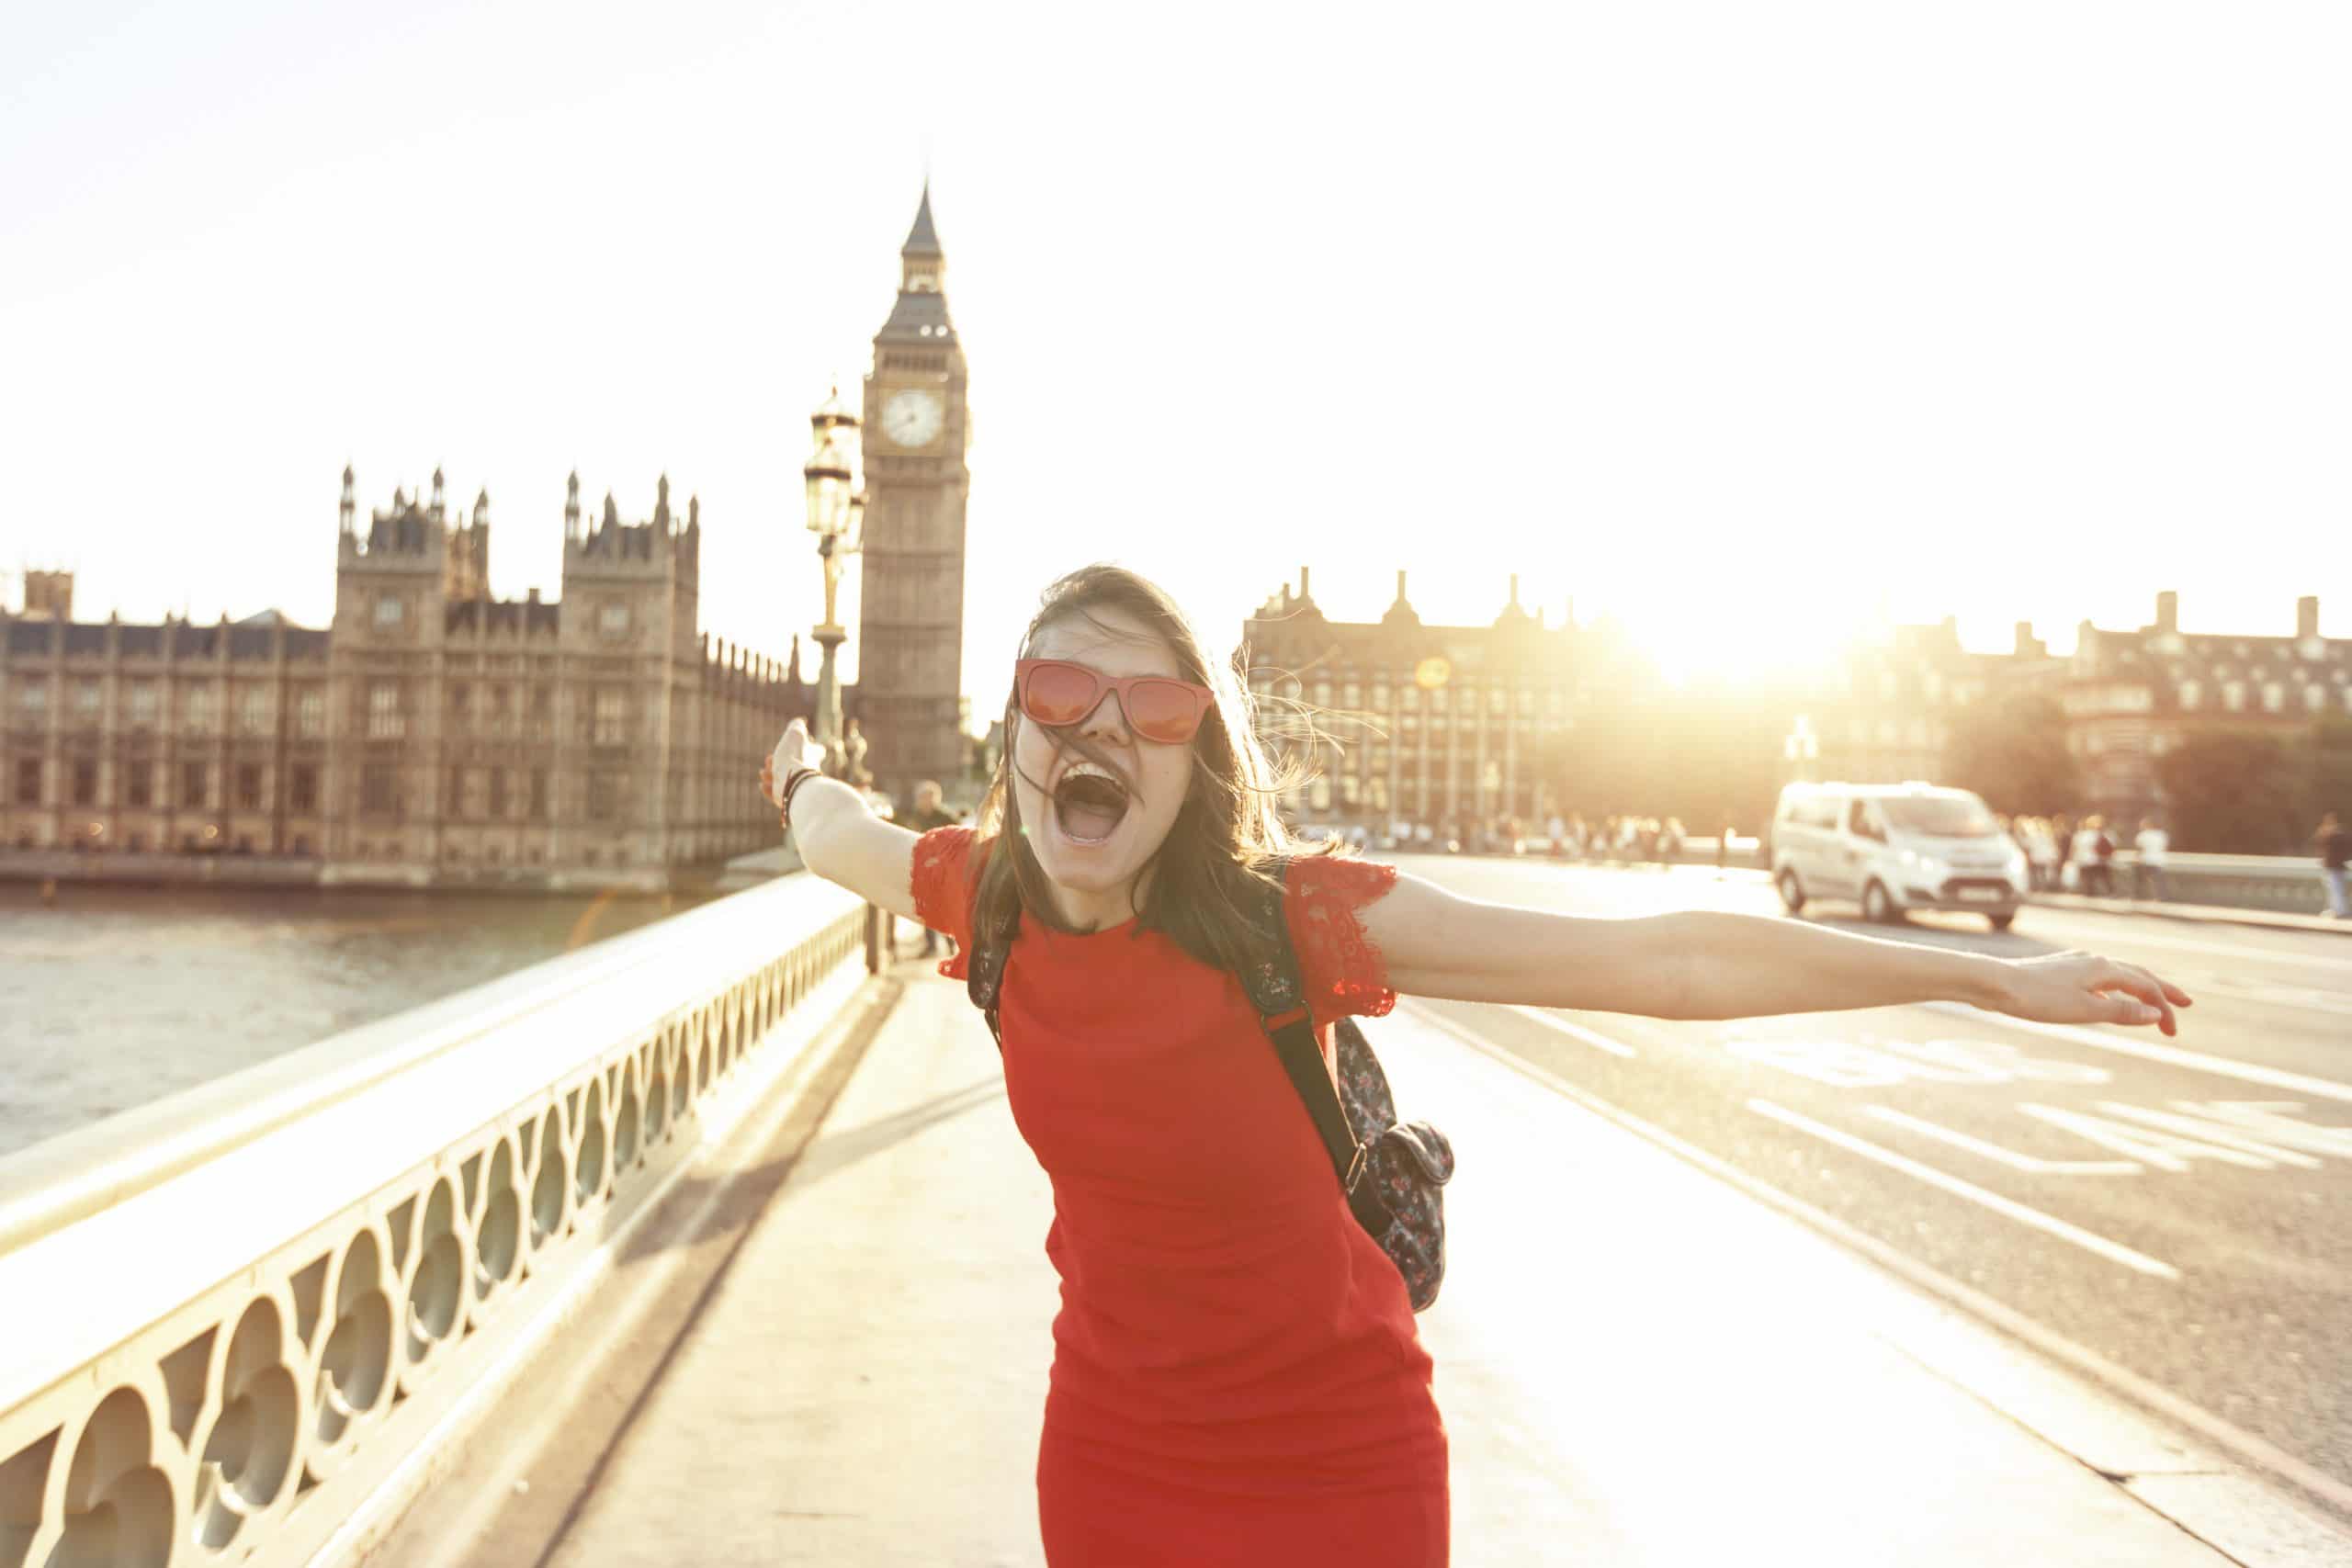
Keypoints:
(1893, 848)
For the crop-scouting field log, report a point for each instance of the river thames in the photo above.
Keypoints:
(116, 996)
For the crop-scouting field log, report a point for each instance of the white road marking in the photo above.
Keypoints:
(2199, 1130)
(1882, 1064)
(2050, 1225)
(2274, 1121)
(2225, 949)
(1575, 1031)
(2207, 988)
(2010, 1158)
(2148, 1051)
(1930, 1281)
(2157, 1146)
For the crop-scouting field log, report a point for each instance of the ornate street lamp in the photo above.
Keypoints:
(836, 508)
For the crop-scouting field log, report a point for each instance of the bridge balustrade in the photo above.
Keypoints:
(242, 1324)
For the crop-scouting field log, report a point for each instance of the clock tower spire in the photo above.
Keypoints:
(922, 265)
(910, 603)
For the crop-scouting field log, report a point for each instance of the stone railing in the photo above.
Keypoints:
(2285, 883)
(236, 1325)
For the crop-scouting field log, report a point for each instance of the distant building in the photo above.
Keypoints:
(1884, 710)
(49, 595)
(2130, 696)
(432, 735)
(1430, 723)
(1469, 724)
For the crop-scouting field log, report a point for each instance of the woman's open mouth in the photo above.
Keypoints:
(1089, 804)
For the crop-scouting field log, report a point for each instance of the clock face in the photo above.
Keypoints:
(913, 416)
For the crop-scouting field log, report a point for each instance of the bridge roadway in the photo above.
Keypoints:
(1686, 1320)
(2180, 1210)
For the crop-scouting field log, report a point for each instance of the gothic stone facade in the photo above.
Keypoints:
(163, 737)
(433, 735)
(910, 606)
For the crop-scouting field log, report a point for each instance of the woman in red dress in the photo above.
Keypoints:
(1237, 1379)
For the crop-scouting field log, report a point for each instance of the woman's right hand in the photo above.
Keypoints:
(795, 750)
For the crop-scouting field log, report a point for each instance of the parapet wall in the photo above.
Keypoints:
(241, 1320)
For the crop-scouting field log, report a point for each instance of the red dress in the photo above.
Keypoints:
(1237, 1376)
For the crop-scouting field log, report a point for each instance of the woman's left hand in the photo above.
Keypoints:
(2082, 987)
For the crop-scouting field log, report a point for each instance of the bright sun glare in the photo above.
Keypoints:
(1726, 634)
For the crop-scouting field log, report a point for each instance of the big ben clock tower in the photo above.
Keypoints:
(911, 611)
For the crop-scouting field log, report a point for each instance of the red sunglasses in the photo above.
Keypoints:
(1158, 707)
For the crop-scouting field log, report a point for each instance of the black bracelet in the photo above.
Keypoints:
(799, 776)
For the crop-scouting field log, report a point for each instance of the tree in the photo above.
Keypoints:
(2013, 752)
(2234, 792)
(1610, 762)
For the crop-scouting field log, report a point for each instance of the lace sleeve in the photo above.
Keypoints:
(943, 889)
(1344, 973)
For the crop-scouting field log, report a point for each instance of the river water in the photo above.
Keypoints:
(116, 996)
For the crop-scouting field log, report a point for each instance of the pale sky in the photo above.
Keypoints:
(1740, 322)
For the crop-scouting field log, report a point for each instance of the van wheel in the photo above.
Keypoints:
(1791, 890)
(2001, 923)
(1877, 908)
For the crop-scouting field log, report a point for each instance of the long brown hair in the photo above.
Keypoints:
(1206, 880)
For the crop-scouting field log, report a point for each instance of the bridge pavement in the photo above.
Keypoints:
(1638, 1366)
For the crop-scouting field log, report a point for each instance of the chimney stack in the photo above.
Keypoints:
(1302, 582)
(2028, 644)
(2307, 616)
(2168, 612)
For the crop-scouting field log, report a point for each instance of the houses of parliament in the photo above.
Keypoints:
(432, 735)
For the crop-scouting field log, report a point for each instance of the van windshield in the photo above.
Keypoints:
(1939, 817)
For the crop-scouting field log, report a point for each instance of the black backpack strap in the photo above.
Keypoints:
(1278, 993)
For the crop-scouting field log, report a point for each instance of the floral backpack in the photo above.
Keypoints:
(1393, 1172)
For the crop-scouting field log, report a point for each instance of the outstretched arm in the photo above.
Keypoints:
(1704, 964)
(839, 839)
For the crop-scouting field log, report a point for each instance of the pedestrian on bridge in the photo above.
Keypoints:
(1237, 1377)
(2153, 847)
(2334, 863)
(931, 811)
(2042, 855)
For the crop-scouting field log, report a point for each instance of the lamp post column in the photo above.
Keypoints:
(835, 510)
(830, 638)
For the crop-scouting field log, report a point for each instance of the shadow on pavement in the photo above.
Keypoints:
(833, 1151)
